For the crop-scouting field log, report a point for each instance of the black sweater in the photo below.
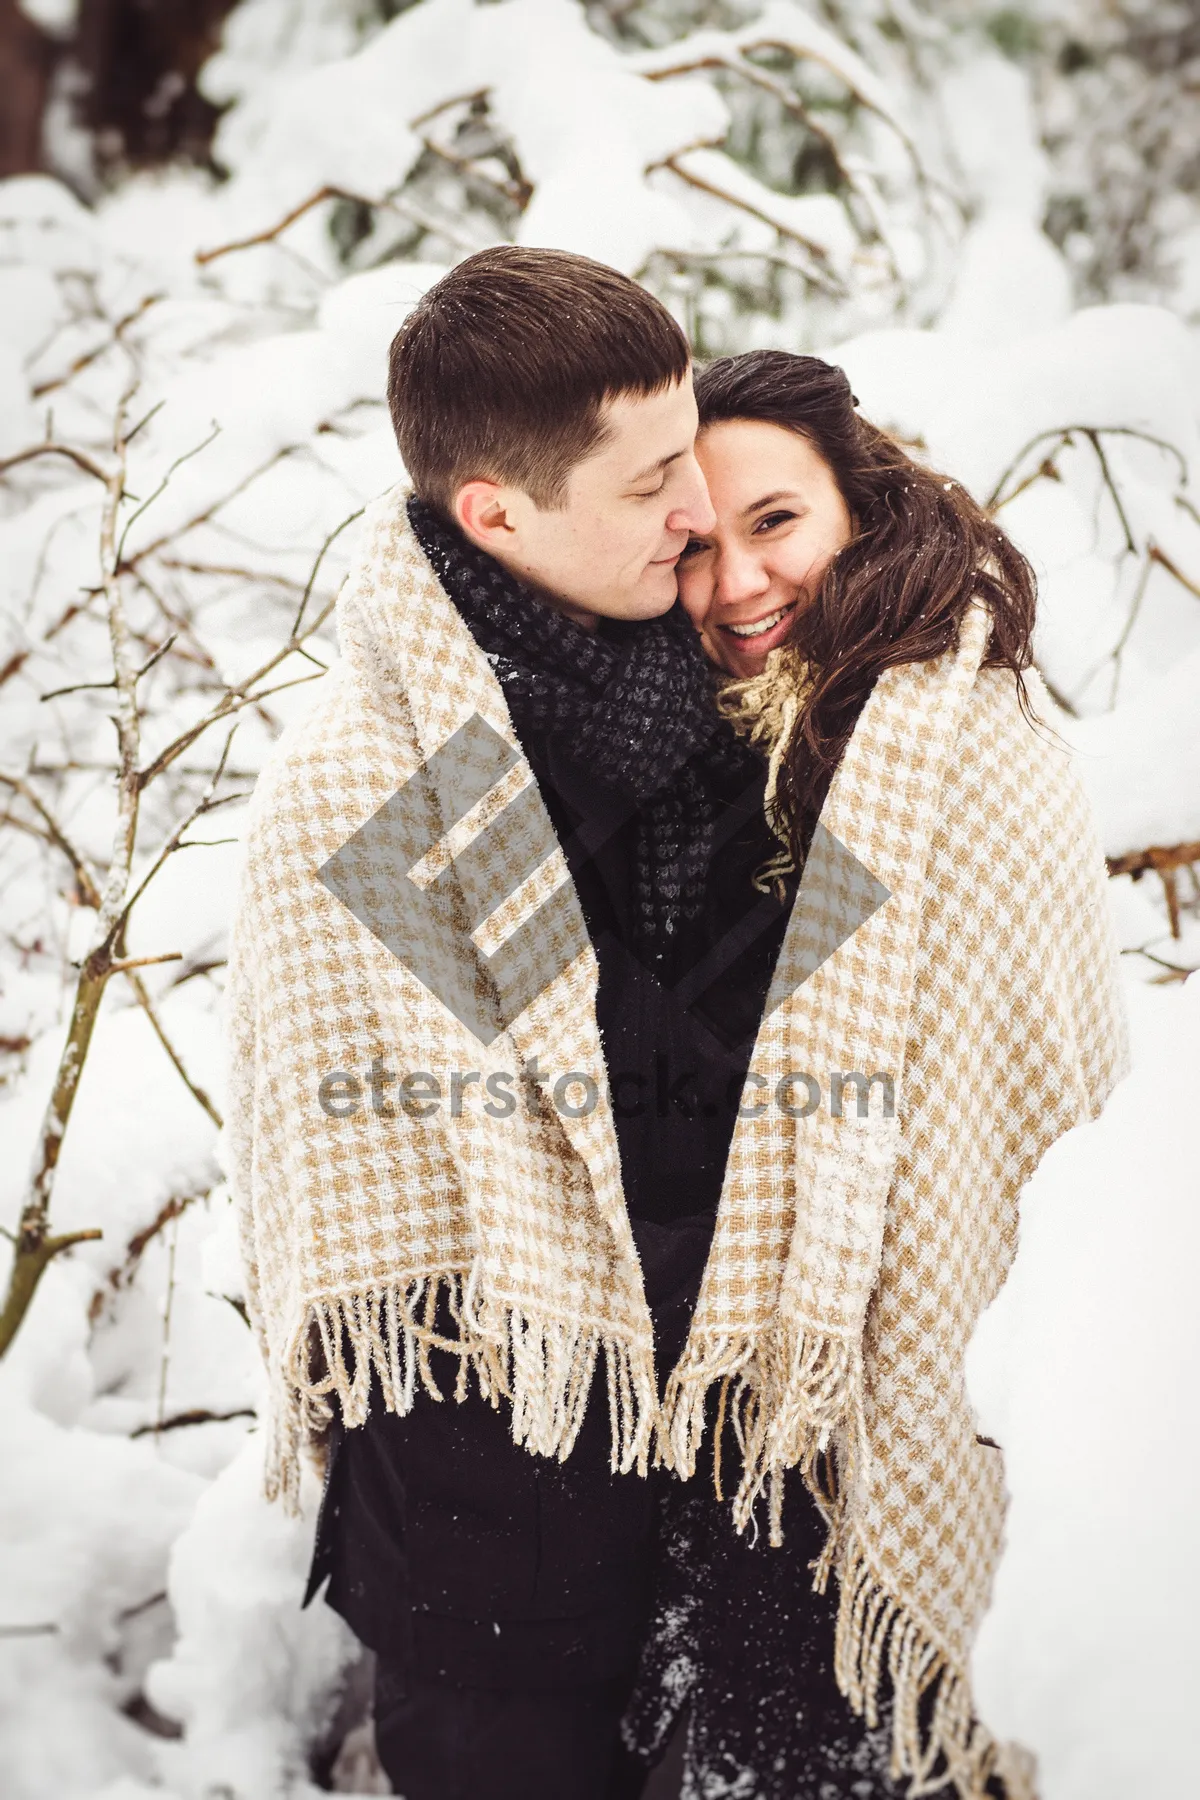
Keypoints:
(447, 1545)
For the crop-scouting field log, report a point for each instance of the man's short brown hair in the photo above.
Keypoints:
(502, 370)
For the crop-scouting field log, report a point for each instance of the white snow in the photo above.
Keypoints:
(86, 1526)
(251, 1677)
(1085, 1369)
(1141, 763)
(54, 16)
(1011, 281)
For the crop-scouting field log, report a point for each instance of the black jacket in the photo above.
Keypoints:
(445, 1544)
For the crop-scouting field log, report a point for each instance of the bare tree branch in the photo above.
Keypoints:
(197, 1415)
(79, 457)
(820, 276)
(320, 557)
(147, 1005)
(1158, 554)
(406, 209)
(85, 876)
(88, 357)
(1063, 434)
(141, 962)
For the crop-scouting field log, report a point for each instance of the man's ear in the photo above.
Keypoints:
(481, 513)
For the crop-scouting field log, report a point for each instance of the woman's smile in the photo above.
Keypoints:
(763, 633)
(780, 521)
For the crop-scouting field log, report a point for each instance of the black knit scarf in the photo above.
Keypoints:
(631, 701)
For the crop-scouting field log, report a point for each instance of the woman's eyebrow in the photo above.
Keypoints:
(768, 500)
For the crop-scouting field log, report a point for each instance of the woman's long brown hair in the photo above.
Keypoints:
(896, 593)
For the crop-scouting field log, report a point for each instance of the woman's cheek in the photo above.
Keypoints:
(697, 600)
(716, 651)
(695, 596)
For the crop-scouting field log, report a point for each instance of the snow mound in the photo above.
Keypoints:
(1085, 1369)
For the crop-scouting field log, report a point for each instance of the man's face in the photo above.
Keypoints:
(610, 551)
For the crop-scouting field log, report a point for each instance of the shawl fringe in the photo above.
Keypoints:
(542, 1365)
(791, 1389)
(787, 1399)
(951, 1745)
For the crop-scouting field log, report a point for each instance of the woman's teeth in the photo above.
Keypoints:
(760, 625)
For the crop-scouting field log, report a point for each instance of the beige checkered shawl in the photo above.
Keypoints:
(853, 1250)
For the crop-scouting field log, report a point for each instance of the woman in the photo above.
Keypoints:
(950, 940)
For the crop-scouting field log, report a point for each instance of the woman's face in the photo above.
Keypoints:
(780, 521)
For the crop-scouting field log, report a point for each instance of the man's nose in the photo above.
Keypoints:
(695, 513)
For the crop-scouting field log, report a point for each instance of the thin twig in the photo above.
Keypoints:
(1064, 432)
(35, 1247)
(205, 804)
(233, 570)
(1047, 470)
(135, 1249)
(234, 702)
(85, 876)
(445, 105)
(164, 1361)
(155, 656)
(78, 457)
(142, 1606)
(1059, 698)
(1158, 554)
(1174, 971)
(161, 489)
(198, 655)
(197, 1415)
(1135, 607)
(1106, 476)
(147, 1005)
(1157, 856)
(88, 357)
(798, 53)
(820, 277)
(320, 557)
(77, 687)
(776, 258)
(321, 194)
(406, 209)
(141, 962)
(209, 513)
(516, 193)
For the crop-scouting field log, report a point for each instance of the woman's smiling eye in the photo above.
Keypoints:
(771, 519)
(693, 547)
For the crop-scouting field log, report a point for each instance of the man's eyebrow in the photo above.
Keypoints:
(663, 463)
(768, 500)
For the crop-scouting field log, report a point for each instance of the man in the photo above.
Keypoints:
(543, 407)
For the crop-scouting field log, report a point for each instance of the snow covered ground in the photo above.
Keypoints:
(1084, 1369)
(149, 1637)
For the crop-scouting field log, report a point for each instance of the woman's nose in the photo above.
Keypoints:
(740, 577)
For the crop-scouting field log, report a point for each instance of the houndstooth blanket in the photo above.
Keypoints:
(418, 1124)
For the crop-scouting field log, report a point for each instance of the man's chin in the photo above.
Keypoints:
(654, 595)
(657, 591)
(643, 609)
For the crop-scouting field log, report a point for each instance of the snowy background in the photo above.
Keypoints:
(991, 217)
